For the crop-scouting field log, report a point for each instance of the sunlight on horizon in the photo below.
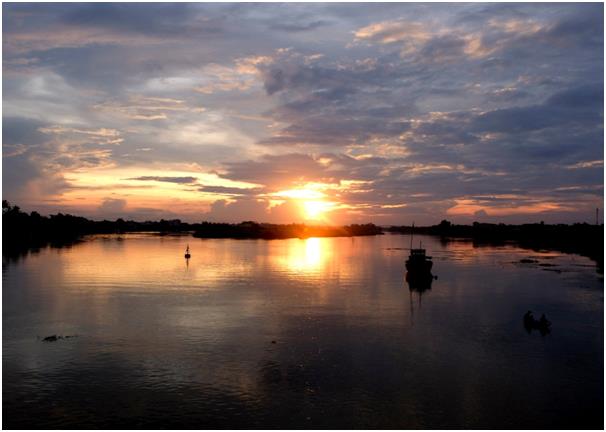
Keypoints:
(317, 210)
(311, 200)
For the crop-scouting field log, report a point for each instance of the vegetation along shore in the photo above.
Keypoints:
(23, 231)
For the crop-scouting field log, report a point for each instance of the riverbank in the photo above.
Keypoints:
(24, 231)
(583, 239)
(253, 230)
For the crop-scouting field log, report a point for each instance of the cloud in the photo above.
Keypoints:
(288, 170)
(238, 77)
(333, 104)
(22, 130)
(587, 164)
(112, 205)
(480, 213)
(178, 180)
(400, 30)
(299, 27)
(102, 136)
(139, 107)
(27, 173)
(237, 211)
(256, 209)
(71, 26)
(575, 105)
(585, 97)
(225, 190)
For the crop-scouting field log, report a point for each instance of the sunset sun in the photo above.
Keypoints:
(316, 210)
(312, 201)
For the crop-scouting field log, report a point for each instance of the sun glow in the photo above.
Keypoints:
(316, 210)
(311, 200)
(304, 194)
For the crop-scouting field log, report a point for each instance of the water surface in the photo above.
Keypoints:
(315, 333)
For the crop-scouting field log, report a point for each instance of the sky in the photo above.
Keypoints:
(305, 112)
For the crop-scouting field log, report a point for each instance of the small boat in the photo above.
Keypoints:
(187, 254)
(543, 325)
(419, 282)
(418, 263)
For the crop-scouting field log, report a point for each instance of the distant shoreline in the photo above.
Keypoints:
(23, 231)
(253, 230)
(581, 238)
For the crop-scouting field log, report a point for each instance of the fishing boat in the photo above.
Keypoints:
(187, 254)
(418, 263)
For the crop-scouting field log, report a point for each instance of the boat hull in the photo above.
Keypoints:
(419, 268)
(419, 282)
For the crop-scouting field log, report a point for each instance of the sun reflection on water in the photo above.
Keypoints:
(305, 256)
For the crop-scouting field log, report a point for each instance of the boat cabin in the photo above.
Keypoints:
(418, 254)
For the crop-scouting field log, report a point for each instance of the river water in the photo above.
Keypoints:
(315, 333)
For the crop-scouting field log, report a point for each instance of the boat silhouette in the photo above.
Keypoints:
(543, 325)
(418, 264)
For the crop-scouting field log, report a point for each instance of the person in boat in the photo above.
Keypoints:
(528, 321)
(543, 325)
(528, 317)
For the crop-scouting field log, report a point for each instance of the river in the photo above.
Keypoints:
(314, 333)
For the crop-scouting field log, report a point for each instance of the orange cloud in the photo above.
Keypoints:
(467, 207)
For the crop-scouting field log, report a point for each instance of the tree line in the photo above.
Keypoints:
(581, 238)
(23, 230)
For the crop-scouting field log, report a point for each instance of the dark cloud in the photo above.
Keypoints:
(299, 27)
(237, 211)
(279, 171)
(585, 24)
(21, 130)
(178, 20)
(255, 209)
(576, 105)
(519, 119)
(112, 205)
(155, 18)
(17, 171)
(443, 49)
(230, 190)
(178, 180)
(585, 97)
(336, 104)
(336, 131)
(20, 140)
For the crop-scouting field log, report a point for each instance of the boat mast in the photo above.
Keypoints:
(411, 232)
